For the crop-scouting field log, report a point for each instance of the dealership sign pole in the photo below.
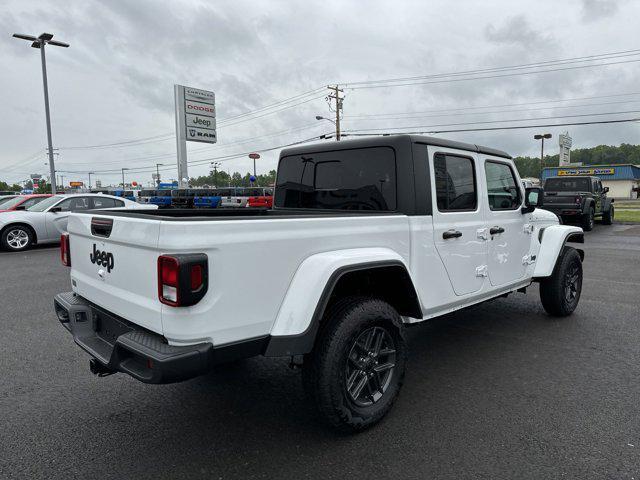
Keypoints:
(195, 122)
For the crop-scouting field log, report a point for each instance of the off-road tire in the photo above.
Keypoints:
(16, 238)
(607, 217)
(588, 220)
(325, 368)
(558, 297)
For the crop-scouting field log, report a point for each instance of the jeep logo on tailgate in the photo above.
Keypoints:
(103, 259)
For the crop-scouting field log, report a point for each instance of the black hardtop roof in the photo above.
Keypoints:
(389, 140)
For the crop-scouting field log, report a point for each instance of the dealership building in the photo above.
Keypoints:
(623, 180)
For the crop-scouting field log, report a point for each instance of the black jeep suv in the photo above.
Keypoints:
(578, 199)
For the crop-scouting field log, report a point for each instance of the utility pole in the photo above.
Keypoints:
(90, 180)
(158, 165)
(335, 95)
(40, 42)
(123, 177)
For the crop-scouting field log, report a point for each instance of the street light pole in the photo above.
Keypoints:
(254, 157)
(90, 180)
(541, 137)
(215, 172)
(40, 42)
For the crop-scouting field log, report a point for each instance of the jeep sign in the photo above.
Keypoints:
(195, 122)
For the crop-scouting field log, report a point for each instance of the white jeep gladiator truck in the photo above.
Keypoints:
(365, 237)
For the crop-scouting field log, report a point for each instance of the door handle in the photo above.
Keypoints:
(451, 234)
(496, 230)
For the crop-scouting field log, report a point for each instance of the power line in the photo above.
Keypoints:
(169, 136)
(478, 107)
(512, 127)
(515, 74)
(216, 147)
(206, 160)
(503, 121)
(603, 56)
(626, 102)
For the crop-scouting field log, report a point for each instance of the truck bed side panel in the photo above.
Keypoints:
(252, 263)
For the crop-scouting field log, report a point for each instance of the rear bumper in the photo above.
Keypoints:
(117, 345)
(563, 209)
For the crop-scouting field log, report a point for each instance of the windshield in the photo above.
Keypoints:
(11, 203)
(567, 185)
(8, 202)
(46, 203)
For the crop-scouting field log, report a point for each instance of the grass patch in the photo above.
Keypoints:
(627, 204)
(627, 215)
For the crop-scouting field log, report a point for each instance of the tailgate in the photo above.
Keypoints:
(115, 265)
(560, 199)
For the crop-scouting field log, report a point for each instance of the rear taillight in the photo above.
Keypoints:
(182, 279)
(578, 200)
(65, 251)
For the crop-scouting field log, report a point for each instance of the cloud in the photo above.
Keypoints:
(518, 31)
(116, 81)
(593, 10)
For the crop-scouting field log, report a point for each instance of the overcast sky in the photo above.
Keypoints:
(115, 82)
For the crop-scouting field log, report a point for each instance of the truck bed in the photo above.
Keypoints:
(252, 255)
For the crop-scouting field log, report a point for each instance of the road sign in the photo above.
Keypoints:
(564, 141)
(195, 122)
(254, 156)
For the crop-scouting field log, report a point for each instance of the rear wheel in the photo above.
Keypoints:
(560, 293)
(16, 238)
(607, 217)
(588, 220)
(357, 367)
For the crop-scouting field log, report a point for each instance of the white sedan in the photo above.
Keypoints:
(47, 220)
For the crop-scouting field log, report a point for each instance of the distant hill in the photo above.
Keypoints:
(600, 155)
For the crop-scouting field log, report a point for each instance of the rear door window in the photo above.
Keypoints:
(455, 183)
(106, 203)
(356, 179)
(75, 204)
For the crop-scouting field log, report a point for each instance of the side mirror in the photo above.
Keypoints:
(605, 189)
(533, 197)
(55, 209)
(20, 207)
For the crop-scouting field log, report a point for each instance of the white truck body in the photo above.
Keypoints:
(270, 275)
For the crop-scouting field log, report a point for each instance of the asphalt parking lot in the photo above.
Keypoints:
(500, 390)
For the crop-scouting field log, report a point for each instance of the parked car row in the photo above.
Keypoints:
(208, 197)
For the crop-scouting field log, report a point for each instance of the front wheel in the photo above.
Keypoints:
(560, 293)
(16, 238)
(357, 367)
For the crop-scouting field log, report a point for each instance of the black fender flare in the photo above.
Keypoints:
(588, 203)
(300, 344)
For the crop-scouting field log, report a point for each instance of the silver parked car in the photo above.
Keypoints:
(47, 220)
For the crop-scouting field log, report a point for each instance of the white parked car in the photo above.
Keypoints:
(46, 221)
(365, 237)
